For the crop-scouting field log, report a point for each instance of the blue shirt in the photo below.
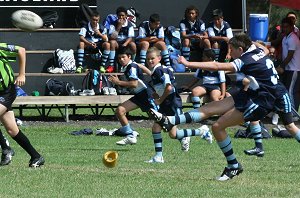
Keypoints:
(145, 31)
(224, 31)
(211, 77)
(127, 30)
(190, 28)
(88, 33)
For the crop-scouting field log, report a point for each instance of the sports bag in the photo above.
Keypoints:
(59, 88)
(83, 15)
(65, 59)
(93, 81)
(50, 18)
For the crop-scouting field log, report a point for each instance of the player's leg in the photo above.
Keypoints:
(144, 45)
(157, 139)
(196, 115)
(132, 47)
(7, 151)
(111, 58)
(256, 131)
(105, 54)
(215, 95)
(126, 129)
(8, 120)
(80, 57)
(197, 92)
(231, 118)
(186, 48)
(216, 48)
(205, 43)
(164, 52)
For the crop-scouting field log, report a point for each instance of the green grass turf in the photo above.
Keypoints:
(74, 168)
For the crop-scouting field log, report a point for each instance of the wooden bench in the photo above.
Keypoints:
(96, 103)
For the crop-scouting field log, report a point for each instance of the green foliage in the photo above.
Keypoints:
(278, 13)
(74, 168)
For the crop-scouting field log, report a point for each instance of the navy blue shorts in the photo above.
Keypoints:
(210, 87)
(143, 100)
(170, 110)
(8, 96)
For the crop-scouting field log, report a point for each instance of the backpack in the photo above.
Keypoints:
(93, 81)
(174, 54)
(49, 17)
(132, 15)
(65, 59)
(83, 15)
(172, 37)
(59, 88)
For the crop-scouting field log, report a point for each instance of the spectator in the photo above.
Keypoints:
(93, 38)
(151, 33)
(219, 32)
(213, 82)
(290, 65)
(193, 32)
(121, 34)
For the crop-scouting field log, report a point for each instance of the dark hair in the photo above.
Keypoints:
(188, 9)
(121, 9)
(291, 12)
(209, 53)
(154, 18)
(125, 50)
(287, 20)
(241, 40)
(95, 14)
(217, 13)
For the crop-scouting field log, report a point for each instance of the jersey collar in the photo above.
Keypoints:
(123, 69)
(154, 68)
(91, 28)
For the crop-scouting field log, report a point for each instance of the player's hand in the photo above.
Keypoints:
(182, 60)
(97, 32)
(114, 79)
(221, 97)
(279, 70)
(20, 80)
(157, 101)
(228, 57)
(94, 45)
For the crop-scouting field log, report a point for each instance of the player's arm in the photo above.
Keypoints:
(85, 41)
(129, 84)
(210, 66)
(223, 90)
(167, 92)
(145, 69)
(258, 45)
(20, 80)
(288, 58)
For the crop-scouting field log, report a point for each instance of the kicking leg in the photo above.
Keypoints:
(255, 130)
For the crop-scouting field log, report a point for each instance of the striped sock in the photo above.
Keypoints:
(227, 150)
(104, 57)
(166, 57)
(80, 56)
(181, 133)
(111, 58)
(157, 143)
(188, 117)
(217, 53)
(297, 136)
(196, 102)
(143, 57)
(186, 52)
(256, 132)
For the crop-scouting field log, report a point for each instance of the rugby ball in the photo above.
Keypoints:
(26, 20)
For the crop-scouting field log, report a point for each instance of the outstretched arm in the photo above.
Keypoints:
(20, 80)
(211, 66)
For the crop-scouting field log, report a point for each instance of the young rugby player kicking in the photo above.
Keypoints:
(249, 105)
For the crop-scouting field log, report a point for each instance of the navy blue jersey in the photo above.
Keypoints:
(224, 31)
(192, 28)
(133, 72)
(126, 31)
(88, 33)
(145, 31)
(210, 77)
(254, 62)
(161, 77)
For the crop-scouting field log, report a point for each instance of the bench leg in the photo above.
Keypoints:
(67, 113)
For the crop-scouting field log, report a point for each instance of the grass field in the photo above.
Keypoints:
(74, 168)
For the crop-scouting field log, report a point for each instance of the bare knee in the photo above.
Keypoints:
(216, 127)
(120, 111)
(81, 45)
(144, 45)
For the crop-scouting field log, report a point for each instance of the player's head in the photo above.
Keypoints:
(208, 55)
(191, 13)
(121, 13)
(95, 18)
(154, 21)
(287, 25)
(217, 16)
(153, 57)
(239, 44)
(293, 16)
(124, 55)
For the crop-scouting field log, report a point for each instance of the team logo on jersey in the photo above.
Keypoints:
(2, 99)
(11, 48)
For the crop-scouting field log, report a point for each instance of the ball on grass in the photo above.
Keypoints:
(110, 159)
(26, 20)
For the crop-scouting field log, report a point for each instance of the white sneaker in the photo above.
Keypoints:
(185, 143)
(55, 70)
(135, 133)
(205, 134)
(112, 91)
(156, 159)
(87, 92)
(275, 118)
(127, 140)
(105, 91)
